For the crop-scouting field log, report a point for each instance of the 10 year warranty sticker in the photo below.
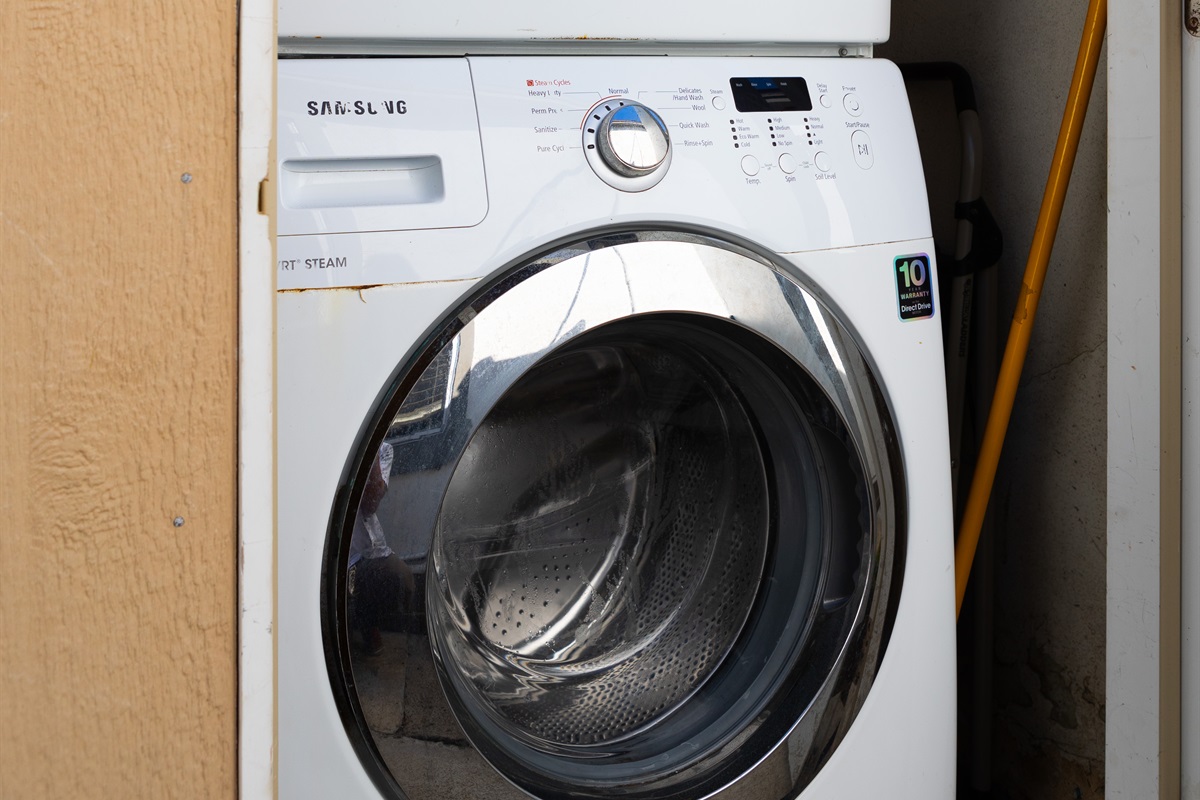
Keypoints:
(914, 286)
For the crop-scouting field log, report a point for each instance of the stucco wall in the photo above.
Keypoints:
(117, 388)
(1050, 493)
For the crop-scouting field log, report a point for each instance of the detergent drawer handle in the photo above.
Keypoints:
(357, 182)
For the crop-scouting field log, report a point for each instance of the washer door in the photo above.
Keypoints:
(638, 505)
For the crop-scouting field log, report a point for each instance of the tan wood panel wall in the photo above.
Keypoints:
(118, 336)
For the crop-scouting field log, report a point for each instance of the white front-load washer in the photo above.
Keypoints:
(611, 432)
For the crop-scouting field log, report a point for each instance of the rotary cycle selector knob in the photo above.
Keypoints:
(626, 144)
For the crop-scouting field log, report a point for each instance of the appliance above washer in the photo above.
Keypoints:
(796, 153)
(469, 25)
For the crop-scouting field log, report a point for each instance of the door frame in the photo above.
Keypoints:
(256, 401)
(1144, 401)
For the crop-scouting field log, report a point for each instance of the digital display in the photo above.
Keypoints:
(770, 94)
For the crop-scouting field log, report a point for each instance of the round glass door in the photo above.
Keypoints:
(629, 523)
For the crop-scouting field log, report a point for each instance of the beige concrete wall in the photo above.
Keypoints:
(117, 399)
(1050, 493)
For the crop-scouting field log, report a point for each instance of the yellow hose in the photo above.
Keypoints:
(1031, 289)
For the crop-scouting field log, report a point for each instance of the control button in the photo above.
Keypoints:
(633, 140)
(821, 159)
(825, 101)
(626, 144)
(787, 163)
(853, 107)
(750, 165)
(718, 103)
(864, 151)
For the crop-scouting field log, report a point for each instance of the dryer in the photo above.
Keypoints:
(611, 432)
(618, 27)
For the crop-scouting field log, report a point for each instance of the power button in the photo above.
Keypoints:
(852, 105)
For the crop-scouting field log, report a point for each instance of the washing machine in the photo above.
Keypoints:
(612, 453)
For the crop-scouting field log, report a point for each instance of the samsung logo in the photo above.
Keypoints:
(338, 108)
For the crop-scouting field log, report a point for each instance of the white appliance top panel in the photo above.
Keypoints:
(844, 173)
(795, 21)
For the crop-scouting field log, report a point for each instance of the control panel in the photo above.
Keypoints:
(490, 157)
(766, 126)
(761, 136)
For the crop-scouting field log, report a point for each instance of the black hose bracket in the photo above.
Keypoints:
(987, 242)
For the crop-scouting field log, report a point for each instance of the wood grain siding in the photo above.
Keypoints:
(118, 347)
